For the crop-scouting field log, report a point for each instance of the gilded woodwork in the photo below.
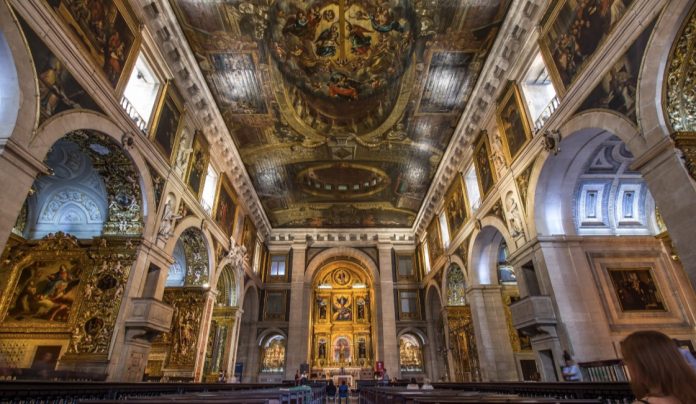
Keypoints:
(686, 143)
(182, 340)
(342, 318)
(463, 343)
(680, 88)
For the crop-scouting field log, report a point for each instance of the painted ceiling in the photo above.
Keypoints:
(341, 109)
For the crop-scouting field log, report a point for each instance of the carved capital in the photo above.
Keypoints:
(686, 143)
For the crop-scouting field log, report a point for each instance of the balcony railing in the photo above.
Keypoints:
(546, 113)
(133, 114)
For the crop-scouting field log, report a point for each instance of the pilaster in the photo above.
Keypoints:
(389, 350)
(298, 327)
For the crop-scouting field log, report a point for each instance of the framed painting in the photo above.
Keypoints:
(434, 241)
(46, 357)
(198, 164)
(249, 238)
(636, 289)
(572, 31)
(226, 206)
(455, 206)
(513, 121)
(165, 133)
(106, 31)
(484, 166)
(274, 305)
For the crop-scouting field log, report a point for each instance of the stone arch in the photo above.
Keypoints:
(69, 121)
(250, 302)
(238, 277)
(483, 253)
(268, 333)
(191, 227)
(651, 82)
(414, 331)
(433, 295)
(18, 84)
(437, 330)
(317, 262)
(554, 208)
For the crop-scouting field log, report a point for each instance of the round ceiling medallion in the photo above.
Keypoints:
(342, 180)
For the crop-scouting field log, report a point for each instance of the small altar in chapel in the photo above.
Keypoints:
(350, 374)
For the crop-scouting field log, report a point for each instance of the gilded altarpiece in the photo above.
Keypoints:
(67, 290)
(342, 319)
(463, 343)
(180, 344)
(218, 340)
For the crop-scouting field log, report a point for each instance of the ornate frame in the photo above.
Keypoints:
(199, 141)
(512, 90)
(483, 142)
(414, 266)
(226, 185)
(168, 93)
(457, 181)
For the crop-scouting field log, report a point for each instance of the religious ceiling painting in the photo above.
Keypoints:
(198, 164)
(226, 206)
(341, 317)
(618, 89)
(455, 206)
(513, 121)
(572, 30)
(169, 124)
(58, 89)
(341, 110)
(105, 30)
(484, 166)
(435, 249)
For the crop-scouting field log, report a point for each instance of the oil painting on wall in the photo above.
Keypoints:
(58, 89)
(513, 122)
(168, 125)
(483, 164)
(636, 289)
(455, 206)
(573, 30)
(434, 241)
(45, 292)
(198, 164)
(225, 211)
(617, 90)
(249, 238)
(102, 28)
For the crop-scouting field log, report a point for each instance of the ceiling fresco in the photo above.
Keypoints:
(341, 109)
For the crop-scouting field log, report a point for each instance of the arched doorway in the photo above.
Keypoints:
(246, 367)
(221, 344)
(461, 328)
(342, 321)
(439, 351)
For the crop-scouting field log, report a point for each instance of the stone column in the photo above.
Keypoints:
(298, 327)
(233, 344)
(389, 349)
(674, 191)
(496, 359)
(19, 169)
(203, 335)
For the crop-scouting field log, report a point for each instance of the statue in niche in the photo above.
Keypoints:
(362, 349)
(361, 309)
(322, 309)
(342, 350)
(183, 154)
(322, 349)
(168, 222)
(497, 154)
(514, 216)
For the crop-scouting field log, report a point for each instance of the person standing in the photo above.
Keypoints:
(658, 372)
(331, 391)
(343, 392)
(571, 370)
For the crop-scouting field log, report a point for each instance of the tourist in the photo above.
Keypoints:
(412, 385)
(343, 392)
(571, 370)
(297, 378)
(658, 372)
(426, 385)
(331, 391)
(686, 353)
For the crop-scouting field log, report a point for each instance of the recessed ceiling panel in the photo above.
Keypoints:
(341, 109)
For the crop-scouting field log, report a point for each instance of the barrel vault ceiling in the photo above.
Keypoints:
(341, 109)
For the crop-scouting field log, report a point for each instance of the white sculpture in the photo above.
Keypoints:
(514, 216)
(237, 253)
(168, 222)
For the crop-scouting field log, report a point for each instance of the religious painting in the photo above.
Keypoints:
(434, 241)
(572, 31)
(455, 206)
(636, 289)
(456, 286)
(46, 357)
(302, 75)
(226, 206)
(273, 355)
(198, 164)
(274, 305)
(617, 90)
(484, 166)
(104, 29)
(342, 308)
(249, 238)
(45, 292)
(58, 89)
(513, 121)
(342, 352)
(168, 125)
(410, 354)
